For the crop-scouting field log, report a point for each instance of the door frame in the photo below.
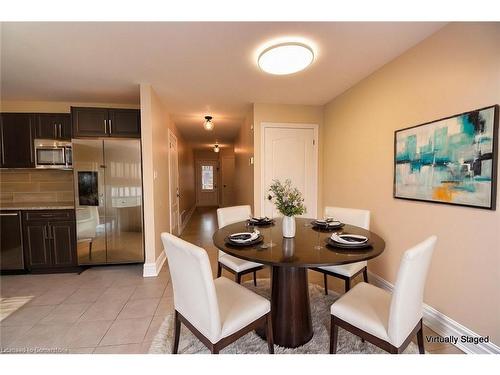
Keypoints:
(171, 136)
(294, 126)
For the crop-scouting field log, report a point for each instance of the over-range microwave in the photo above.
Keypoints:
(53, 154)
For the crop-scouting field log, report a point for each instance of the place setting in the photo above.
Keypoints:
(326, 225)
(244, 239)
(348, 241)
(261, 221)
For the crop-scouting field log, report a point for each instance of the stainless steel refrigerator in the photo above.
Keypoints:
(108, 201)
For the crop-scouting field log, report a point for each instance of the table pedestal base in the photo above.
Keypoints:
(290, 309)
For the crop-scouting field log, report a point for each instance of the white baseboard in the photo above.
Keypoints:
(153, 269)
(444, 325)
(186, 220)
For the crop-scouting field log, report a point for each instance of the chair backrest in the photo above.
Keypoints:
(230, 215)
(408, 294)
(194, 290)
(352, 216)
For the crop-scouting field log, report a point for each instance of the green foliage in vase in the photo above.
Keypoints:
(288, 199)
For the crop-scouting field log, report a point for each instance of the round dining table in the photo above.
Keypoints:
(289, 259)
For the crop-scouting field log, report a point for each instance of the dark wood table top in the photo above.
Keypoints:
(300, 251)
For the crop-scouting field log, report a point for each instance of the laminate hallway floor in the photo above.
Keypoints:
(108, 309)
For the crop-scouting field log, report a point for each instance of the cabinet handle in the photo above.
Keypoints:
(56, 130)
(9, 214)
(53, 234)
(105, 127)
(110, 128)
(60, 130)
(45, 232)
(49, 232)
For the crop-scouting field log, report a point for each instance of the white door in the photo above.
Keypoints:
(173, 172)
(206, 183)
(227, 177)
(290, 151)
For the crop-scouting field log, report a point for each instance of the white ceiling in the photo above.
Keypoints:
(196, 68)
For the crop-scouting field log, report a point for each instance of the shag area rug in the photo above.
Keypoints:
(253, 344)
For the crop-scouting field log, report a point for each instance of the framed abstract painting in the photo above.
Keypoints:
(452, 160)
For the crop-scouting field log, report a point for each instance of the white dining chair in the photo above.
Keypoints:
(346, 272)
(237, 266)
(387, 321)
(217, 312)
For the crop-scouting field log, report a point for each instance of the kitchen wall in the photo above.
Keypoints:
(243, 170)
(36, 186)
(455, 70)
(284, 113)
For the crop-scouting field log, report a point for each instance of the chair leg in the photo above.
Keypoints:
(325, 282)
(219, 270)
(365, 274)
(347, 285)
(334, 330)
(420, 339)
(238, 278)
(215, 350)
(177, 332)
(269, 333)
(254, 278)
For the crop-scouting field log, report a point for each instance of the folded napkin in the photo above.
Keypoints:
(328, 222)
(244, 237)
(349, 239)
(260, 219)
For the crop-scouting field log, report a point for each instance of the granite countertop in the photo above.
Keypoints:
(37, 206)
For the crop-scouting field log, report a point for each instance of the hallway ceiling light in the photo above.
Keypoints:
(208, 124)
(286, 58)
(216, 148)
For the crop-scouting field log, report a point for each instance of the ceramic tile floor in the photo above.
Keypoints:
(105, 309)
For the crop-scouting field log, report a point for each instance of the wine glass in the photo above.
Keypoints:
(271, 243)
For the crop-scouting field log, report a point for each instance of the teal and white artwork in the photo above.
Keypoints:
(452, 160)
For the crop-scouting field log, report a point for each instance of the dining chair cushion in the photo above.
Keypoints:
(347, 270)
(238, 306)
(366, 307)
(231, 215)
(352, 216)
(237, 264)
(408, 294)
(193, 286)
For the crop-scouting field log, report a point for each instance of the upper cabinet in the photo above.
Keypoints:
(53, 126)
(17, 131)
(104, 122)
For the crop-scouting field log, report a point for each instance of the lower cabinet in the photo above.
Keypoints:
(49, 239)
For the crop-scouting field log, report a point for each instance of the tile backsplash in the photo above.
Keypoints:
(35, 185)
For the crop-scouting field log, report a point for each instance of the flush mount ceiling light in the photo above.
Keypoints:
(208, 124)
(286, 58)
(216, 147)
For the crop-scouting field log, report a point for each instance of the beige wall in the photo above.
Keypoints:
(455, 70)
(243, 170)
(54, 107)
(186, 177)
(155, 123)
(289, 113)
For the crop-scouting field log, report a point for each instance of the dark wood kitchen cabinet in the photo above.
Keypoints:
(17, 132)
(49, 239)
(53, 126)
(105, 122)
